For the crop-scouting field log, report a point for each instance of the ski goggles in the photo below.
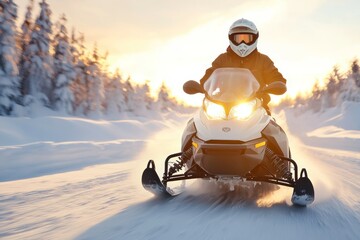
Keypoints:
(247, 38)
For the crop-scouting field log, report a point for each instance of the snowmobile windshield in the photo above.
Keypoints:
(231, 85)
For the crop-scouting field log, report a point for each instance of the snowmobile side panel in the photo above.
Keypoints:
(277, 138)
(188, 134)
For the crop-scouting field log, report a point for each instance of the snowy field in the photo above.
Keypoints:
(73, 178)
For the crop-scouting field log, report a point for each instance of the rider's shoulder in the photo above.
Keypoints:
(265, 59)
(262, 55)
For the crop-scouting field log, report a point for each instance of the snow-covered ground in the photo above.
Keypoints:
(71, 178)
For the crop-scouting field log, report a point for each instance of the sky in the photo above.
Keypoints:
(175, 41)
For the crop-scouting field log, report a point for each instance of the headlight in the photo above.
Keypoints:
(243, 110)
(214, 111)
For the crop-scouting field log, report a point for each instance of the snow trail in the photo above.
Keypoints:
(205, 212)
(108, 202)
(36, 205)
(60, 206)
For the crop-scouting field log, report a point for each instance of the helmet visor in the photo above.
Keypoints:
(247, 38)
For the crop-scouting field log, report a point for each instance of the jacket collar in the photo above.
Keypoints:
(250, 56)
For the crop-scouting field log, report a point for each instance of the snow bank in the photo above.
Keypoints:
(32, 147)
(337, 127)
(334, 132)
(348, 117)
(16, 131)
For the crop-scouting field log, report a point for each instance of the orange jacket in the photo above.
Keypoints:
(259, 64)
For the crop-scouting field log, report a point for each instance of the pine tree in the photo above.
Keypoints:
(26, 28)
(145, 97)
(95, 86)
(114, 97)
(27, 25)
(38, 68)
(165, 102)
(63, 98)
(351, 89)
(139, 107)
(355, 72)
(130, 95)
(315, 99)
(329, 98)
(79, 86)
(9, 74)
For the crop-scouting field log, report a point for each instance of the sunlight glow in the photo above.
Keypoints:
(177, 58)
(190, 55)
(301, 60)
(186, 57)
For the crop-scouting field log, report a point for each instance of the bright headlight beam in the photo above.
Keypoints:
(215, 111)
(243, 110)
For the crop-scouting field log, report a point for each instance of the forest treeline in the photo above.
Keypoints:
(43, 65)
(333, 91)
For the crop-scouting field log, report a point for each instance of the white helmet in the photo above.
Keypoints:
(243, 36)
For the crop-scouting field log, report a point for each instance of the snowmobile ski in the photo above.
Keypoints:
(152, 183)
(303, 190)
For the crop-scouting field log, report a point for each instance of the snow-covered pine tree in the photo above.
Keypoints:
(79, 86)
(165, 102)
(27, 25)
(355, 72)
(331, 93)
(314, 102)
(114, 95)
(63, 98)
(139, 107)
(144, 101)
(351, 89)
(9, 74)
(74, 46)
(38, 68)
(95, 86)
(335, 86)
(130, 95)
(338, 76)
(339, 88)
(106, 78)
(148, 100)
(26, 30)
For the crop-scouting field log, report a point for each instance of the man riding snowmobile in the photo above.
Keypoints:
(233, 138)
(242, 53)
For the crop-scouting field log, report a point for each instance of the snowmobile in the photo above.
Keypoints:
(233, 137)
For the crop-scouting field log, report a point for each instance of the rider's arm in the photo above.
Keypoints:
(271, 73)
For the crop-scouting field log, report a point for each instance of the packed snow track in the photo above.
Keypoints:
(76, 199)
